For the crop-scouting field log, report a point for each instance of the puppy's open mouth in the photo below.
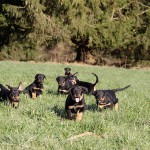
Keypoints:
(77, 99)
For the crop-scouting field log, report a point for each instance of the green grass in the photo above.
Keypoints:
(37, 124)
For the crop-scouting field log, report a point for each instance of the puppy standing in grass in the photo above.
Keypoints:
(12, 94)
(75, 103)
(107, 98)
(67, 72)
(65, 83)
(35, 89)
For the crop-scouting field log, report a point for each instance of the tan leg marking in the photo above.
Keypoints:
(116, 106)
(101, 106)
(33, 95)
(15, 104)
(104, 105)
(79, 116)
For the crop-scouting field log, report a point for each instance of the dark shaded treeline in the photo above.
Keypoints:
(97, 32)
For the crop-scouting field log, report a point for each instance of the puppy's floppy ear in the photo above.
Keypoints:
(57, 79)
(70, 90)
(84, 89)
(36, 76)
(44, 76)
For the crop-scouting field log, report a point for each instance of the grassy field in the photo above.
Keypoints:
(38, 124)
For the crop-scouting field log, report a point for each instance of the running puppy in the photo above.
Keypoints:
(11, 93)
(75, 104)
(35, 89)
(107, 98)
(65, 83)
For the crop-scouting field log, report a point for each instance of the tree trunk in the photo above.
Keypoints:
(81, 55)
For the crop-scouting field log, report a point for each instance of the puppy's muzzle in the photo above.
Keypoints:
(15, 104)
(15, 101)
(40, 80)
(102, 101)
(61, 84)
(78, 97)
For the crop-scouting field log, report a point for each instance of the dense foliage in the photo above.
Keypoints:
(104, 29)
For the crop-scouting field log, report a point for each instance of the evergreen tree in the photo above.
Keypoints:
(105, 28)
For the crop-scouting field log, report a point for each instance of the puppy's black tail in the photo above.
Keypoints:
(75, 74)
(121, 89)
(97, 80)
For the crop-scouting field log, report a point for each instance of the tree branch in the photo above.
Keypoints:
(112, 16)
(143, 12)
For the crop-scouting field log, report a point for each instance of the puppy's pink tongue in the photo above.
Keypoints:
(77, 99)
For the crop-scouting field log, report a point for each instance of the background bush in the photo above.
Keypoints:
(99, 32)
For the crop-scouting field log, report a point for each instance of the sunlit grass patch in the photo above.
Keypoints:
(42, 123)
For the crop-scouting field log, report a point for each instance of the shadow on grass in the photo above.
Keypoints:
(92, 107)
(1, 100)
(52, 92)
(4, 102)
(60, 112)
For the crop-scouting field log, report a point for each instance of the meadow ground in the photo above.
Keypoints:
(40, 124)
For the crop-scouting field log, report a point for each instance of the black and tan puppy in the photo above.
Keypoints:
(107, 98)
(90, 86)
(35, 89)
(65, 83)
(67, 72)
(12, 94)
(75, 104)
